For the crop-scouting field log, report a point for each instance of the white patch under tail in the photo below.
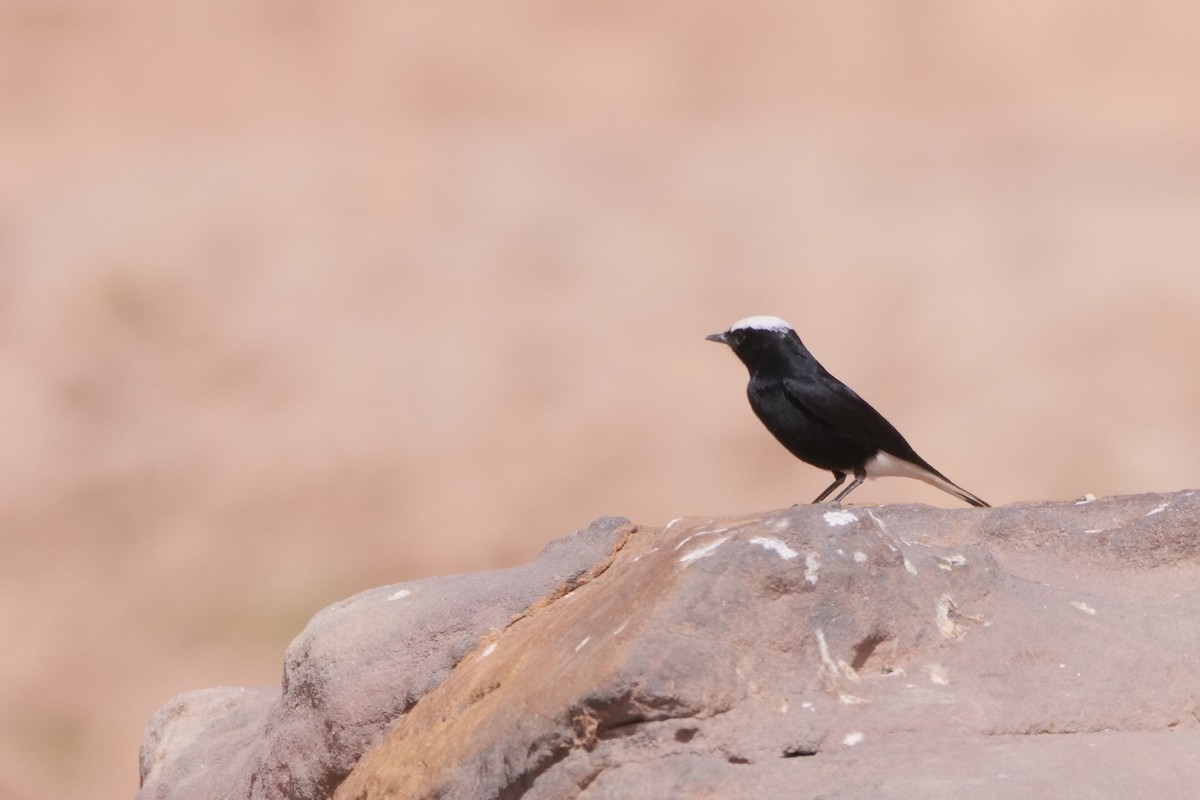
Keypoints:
(886, 465)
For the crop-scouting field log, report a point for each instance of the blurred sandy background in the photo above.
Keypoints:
(300, 298)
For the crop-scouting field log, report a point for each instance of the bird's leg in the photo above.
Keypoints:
(858, 478)
(838, 477)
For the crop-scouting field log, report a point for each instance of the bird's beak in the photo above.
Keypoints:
(719, 338)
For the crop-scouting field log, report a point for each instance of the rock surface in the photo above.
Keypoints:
(885, 652)
(356, 667)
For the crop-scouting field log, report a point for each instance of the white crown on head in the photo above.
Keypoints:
(762, 324)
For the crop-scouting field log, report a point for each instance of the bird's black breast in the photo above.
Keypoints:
(807, 435)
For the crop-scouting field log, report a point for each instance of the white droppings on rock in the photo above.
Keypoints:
(833, 671)
(702, 552)
(938, 674)
(399, 594)
(852, 699)
(812, 565)
(687, 539)
(638, 557)
(809, 706)
(908, 566)
(853, 739)
(782, 524)
(1094, 530)
(580, 646)
(619, 628)
(823, 650)
(1158, 509)
(836, 518)
(949, 628)
(1084, 607)
(884, 533)
(785, 552)
(950, 562)
(860, 557)
(487, 651)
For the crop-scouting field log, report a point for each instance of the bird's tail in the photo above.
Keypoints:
(911, 465)
(935, 478)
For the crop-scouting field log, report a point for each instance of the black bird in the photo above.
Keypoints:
(819, 419)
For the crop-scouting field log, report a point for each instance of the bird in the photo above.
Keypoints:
(819, 419)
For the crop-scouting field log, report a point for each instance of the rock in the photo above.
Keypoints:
(884, 652)
(889, 652)
(356, 667)
(198, 730)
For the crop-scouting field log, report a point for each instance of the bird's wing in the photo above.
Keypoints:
(836, 406)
